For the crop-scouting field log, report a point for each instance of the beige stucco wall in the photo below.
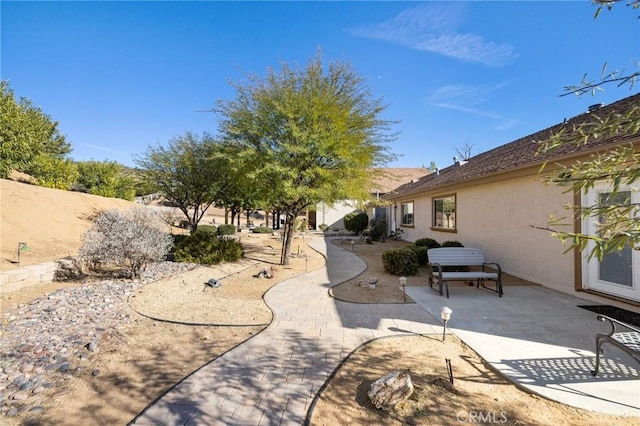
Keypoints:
(497, 217)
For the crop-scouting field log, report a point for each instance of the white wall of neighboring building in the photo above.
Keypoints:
(333, 215)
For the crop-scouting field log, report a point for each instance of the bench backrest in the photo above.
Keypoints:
(456, 256)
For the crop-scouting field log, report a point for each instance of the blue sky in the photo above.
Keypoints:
(121, 76)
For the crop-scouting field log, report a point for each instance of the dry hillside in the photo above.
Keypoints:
(50, 221)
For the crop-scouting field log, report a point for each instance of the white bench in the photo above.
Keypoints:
(441, 258)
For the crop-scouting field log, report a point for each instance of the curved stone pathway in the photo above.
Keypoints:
(272, 378)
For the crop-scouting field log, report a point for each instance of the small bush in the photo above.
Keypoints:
(452, 244)
(301, 224)
(402, 261)
(427, 242)
(356, 222)
(207, 229)
(421, 252)
(262, 230)
(323, 227)
(226, 229)
(378, 229)
(208, 249)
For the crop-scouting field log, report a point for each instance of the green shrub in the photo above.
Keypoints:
(378, 229)
(177, 239)
(452, 244)
(226, 229)
(427, 242)
(262, 230)
(323, 227)
(421, 252)
(356, 222)
(301, 224)
(402, 261)
(208, 249)
(207, 229)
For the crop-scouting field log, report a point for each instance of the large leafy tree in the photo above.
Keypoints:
(192, 172)
(306, 135)
(25, 133)
(106, 178)
(617, 217)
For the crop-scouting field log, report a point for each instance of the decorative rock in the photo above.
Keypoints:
(65, 366)
(20, 396)
(92, 346)
(386, 392)
(26, 368)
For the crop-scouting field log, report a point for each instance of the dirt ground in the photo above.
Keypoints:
(145, 358)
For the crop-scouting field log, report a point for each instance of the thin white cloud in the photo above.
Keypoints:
(434, 28)
(470, 95)
(468, 99)
(101, 148)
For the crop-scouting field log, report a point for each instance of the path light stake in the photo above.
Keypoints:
(445, 314)
(351, 245)
(403, 283)
(450, 370)
(22, 247)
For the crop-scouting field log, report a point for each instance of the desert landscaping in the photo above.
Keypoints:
(125, 343)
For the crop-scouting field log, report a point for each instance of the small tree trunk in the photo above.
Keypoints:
(288, 237)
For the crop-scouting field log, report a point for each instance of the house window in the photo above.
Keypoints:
(444, 212)
(406, 210)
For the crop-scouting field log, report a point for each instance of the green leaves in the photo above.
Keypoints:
(25, 132)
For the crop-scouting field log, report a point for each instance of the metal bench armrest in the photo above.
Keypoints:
(613, 322)
(497, 266)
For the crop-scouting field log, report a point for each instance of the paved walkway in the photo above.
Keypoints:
(272, 378)
(537, 337)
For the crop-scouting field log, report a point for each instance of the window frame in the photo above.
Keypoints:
(412, 214)
(434, 213)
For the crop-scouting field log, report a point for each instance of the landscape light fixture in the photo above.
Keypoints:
(403, 283)
(445, 314)
(22, 247)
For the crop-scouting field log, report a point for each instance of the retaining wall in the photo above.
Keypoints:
(27, 276)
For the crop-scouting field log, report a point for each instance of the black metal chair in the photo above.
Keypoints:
(627, 341)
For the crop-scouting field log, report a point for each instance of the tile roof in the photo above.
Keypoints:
(522, 153)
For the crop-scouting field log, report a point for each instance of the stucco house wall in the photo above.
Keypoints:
(497, 217)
